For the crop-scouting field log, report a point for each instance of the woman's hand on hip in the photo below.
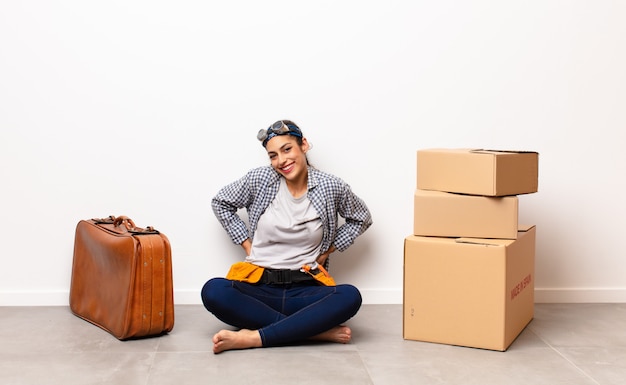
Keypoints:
(324, 256)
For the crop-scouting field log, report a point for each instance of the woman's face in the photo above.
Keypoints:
(288, 157)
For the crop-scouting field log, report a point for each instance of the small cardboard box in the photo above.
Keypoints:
(468, 292)
(478, 172)
(442, 214)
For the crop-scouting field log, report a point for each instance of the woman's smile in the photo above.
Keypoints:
(288, 168)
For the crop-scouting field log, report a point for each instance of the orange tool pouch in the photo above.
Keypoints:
(245, 272)
(320, 275)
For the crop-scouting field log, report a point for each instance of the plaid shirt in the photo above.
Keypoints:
(329, 195)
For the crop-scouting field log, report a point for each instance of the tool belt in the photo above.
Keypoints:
(248, 272)
(284, 277)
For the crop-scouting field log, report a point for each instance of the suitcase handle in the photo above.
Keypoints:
(128, 223)
(132, 228)
(108, 220)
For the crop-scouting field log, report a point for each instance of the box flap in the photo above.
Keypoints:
(494, 242)
(524, 228)
(485, 242)
(486, 151)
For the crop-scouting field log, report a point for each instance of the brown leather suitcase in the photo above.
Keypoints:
(122, 278)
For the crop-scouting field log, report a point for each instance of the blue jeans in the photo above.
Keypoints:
(282, 314)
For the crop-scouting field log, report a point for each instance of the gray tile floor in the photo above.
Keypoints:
(564, 344)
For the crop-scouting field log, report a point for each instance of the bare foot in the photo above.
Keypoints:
(340, 334)
(231, 340)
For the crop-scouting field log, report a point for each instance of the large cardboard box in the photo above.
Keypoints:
(442, 214)
(478, 172)
(468, 292)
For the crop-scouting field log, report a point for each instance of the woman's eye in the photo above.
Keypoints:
(272, 156)
(287, 149)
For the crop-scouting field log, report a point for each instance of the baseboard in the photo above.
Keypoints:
(370, 297)
(601, 295)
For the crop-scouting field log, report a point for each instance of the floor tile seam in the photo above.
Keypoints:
(572, 363)
(153, 359)
(365, 366)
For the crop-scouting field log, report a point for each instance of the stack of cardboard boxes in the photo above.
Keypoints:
(469, 265)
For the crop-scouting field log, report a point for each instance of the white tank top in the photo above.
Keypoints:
(289, 233)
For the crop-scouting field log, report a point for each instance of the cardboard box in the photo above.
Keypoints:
(478, 172)
(442, 214)
(468, 292)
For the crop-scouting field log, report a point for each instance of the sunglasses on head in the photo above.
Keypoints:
(281, 127)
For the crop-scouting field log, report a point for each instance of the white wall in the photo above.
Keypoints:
(146, 108)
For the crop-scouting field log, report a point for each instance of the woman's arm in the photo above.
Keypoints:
(247, 246)
(357, 219)
(225, 205)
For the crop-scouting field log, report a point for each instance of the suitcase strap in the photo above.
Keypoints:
(153, 280)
